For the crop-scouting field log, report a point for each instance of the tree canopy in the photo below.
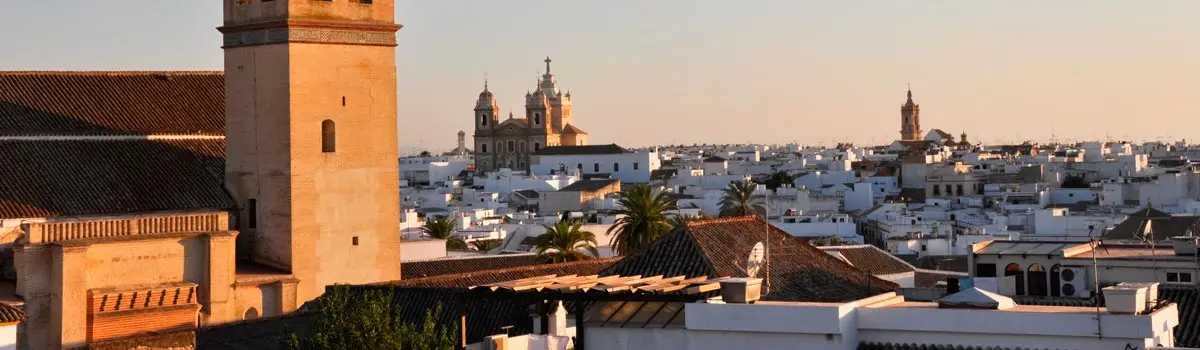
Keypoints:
(563, 241)
(369, 320)
(643, 218)
(739, 200)
(442, 227)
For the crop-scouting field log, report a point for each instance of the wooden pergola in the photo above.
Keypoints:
(635, 291)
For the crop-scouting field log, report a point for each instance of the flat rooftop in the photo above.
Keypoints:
(1133, 252)
(1017, 308)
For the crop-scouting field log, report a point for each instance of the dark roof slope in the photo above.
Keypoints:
(576, 150)
(871, 259)
(1164, 225)
(954, 263)
(572, 129)
(415, 297)
(71, 178)
(439, 267)
(589, 185)
(720, 247)
(111, 103)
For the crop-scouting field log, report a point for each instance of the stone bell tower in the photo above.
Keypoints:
(311, 145)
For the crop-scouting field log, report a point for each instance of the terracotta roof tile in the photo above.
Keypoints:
(111, 103)
(720, 247)
(871, 259)
(572, 129)
(439, 267)
(72, 178)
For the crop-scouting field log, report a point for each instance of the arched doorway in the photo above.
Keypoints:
(1054, 281)
(1037, 280)
(250, 314)
(1015, 270)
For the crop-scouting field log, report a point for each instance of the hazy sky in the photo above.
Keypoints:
(692, 71)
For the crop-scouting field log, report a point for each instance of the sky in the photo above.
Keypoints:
(705, 71)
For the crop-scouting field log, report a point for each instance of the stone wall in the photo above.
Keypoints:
(151, 341)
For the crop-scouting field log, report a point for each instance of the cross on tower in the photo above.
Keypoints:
(547, 64)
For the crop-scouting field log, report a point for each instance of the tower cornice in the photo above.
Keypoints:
(309, 31)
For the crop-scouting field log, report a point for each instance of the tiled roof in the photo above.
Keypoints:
(71, 178)
(111, 103)
(589, 185)
(10, 314)
(578, 150)
(1164, 225)
(955, 263)
(572, 129)
(871, 259)
(717, 248)
(475, 278)
(439, 267)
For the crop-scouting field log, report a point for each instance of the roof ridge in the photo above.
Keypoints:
(483, 256)
(723, 220)
(501, 270)
(110, 72)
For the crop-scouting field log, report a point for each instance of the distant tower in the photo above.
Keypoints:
(910, 120)
(311, 140)
(462, 143)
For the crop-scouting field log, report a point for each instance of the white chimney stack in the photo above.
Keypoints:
(1125, 299)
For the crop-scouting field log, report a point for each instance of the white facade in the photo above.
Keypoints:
(888, 318)
(505, 181)
(627, 167)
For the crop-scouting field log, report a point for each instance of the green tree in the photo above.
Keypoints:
(424, 154)
(642, 219)
(369, 320)
(442, 227)
(678, 221)
(739, 200)
(563, 240)
(486, 244)
(779, 179)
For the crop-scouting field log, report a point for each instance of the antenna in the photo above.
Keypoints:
(755, 260)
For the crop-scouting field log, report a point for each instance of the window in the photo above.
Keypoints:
(251, 213)
(483, 148)
(511, 146)
(537, 146)
(364, 2)
(596, 167)
(959, 189)
(537, 118)
(250, 314)
(635, 166)
(1179, 277)
(343, 101)
(924, 247)
(616, 167)
(483, 120)
(948, 191)
(328, 136)
(985, 270)
(354, 240)
(937, 190)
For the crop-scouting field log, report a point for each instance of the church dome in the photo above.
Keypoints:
(486, 95)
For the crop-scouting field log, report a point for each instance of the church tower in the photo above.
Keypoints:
(487, 117)
(311, 144)
(910, 120)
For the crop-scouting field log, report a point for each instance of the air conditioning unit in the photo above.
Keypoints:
(1073, 282)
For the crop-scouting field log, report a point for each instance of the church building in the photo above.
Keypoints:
(511, 143)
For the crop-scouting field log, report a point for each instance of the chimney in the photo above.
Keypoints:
(741, 290)
(1150, 292)
(1125, 299)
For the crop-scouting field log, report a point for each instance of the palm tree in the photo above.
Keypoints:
(486, 244)
(678, 221)
(739, 200)
(442, 227)
(562, 242)
(642, 219)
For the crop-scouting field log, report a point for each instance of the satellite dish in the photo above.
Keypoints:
(755, 260)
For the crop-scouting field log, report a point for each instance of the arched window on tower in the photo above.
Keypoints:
(328, 136)
(483, 148)
(537, 146)
(537, 118)
(483, 120)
